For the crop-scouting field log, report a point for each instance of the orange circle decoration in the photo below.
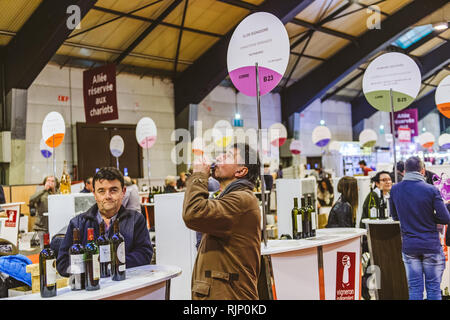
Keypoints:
(426, 140)
(53, 129)
(442, 96)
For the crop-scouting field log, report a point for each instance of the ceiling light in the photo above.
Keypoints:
(440, 26)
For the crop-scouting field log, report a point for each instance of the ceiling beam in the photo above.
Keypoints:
(198, 80)
(166, 24)
(147, 31)
(38, 40)
(429, 64)
(317, 82)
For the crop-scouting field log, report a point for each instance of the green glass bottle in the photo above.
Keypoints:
(373, 210)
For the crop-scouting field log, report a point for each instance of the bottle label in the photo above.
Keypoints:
(77, 263)
(50, 267)
(122, 268)
(373, 213)
(96, 266)
(105, 253)
(299, 223)
(313, 221)
(121, 252)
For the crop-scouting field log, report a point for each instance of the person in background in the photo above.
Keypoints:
(39, 202)
(364, 167)
(280, 172)
(325, 193)
(400, 172)
(383, 185)
(170, 184)
(87, 185)
(419, 208)
(429, 176)
(343, 213)
(109, 190)
(181, 182)
(131, 200)
(268, 179)
(229, 256)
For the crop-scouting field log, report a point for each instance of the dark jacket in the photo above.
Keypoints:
(419, 207)
(341, 215)
(39, 200)
(229, 257)
(85, 190)
(132, 225)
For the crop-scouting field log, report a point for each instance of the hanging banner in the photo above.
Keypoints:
(100, 94)
(442, 96)
(345, 275)
(259, 38)
(408, 118)
(116, 146)
(53, 129)
(146, 132)
(395, 71)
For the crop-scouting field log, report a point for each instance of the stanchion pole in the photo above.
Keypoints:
(148, 166)
(260, 152)
(117, 163)
(393, 135)
(54, 157)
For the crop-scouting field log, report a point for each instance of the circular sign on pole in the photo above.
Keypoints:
(259, 38)
(442, 96)
(321, 136)
(296, 147)
(222, 133)
(444, 141)
(53, 129)
(277, 134)
(146, 132)
(368, 138)
(46, 151)
(116, 146)
(395, 71)
(426, 140)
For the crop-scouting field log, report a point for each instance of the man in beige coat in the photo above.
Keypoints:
(228, 259)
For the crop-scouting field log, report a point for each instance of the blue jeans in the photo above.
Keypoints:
(428, 267)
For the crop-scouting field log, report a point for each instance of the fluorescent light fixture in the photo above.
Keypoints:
(237, 116)
(381, 127)
(440, 26)
(322, 122)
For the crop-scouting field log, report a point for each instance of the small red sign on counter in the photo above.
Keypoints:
(345, 276)
(12, 218)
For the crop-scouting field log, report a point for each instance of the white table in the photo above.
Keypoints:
(150, 282)
(313, 269)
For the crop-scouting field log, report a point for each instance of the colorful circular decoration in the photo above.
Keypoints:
(46, 151)
(146, 132)
(444, 141)
(295, 147)
(395, 71)
(222, 133)
(321, 136)
(260, 38)
(368, 138)
(277, 134)
(426, 140)
(53, 129)
(442, 96)
(116, 146)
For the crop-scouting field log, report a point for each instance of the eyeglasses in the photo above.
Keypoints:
(386, 180)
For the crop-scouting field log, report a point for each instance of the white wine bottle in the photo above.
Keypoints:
(66, 181)
(373, 210)
(312, 214)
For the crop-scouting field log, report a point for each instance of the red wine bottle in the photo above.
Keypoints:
(104, 246)
(47, 269)
(118, 254)
(91, 262)
(77, 269)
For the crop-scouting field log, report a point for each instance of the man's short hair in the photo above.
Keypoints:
(413, 164)
(363, 162)
(251, 161)
(110, 174)
(86, 180)
(401, 166)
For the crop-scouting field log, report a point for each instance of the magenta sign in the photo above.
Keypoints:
(407, 118)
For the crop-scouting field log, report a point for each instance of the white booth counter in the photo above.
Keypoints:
(150, 282)
(326, 267)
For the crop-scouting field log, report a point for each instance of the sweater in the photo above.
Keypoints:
(419, 208)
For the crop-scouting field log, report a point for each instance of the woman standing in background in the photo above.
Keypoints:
(343, 213)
